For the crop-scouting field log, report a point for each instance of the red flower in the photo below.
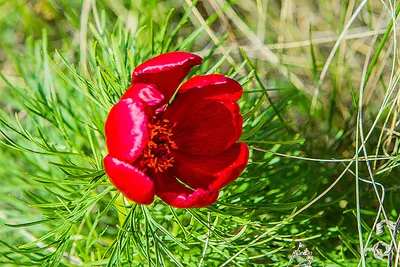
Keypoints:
(183, 152)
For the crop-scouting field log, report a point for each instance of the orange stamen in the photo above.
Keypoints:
(157, 154)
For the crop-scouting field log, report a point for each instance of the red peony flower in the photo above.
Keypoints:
(183, 152)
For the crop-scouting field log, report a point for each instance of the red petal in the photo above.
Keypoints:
(174, 193)
(133, 183)
(126, 130)
(166, 71)
(212, 86)
(144, 92)
(209, 130)
(212, 172)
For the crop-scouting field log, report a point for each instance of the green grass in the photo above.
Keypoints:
(320, 104)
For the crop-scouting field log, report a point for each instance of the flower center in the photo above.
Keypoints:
(157, 154)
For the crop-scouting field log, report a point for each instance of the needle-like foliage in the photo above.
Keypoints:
(320, 118)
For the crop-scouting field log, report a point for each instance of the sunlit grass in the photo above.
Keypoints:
(321, 104)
